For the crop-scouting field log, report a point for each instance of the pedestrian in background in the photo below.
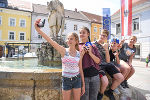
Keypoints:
(147, 60)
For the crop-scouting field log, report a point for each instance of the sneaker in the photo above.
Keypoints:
(123, 84)
(126, 84)
(122, 90)
(109, 94)
(99, 96)
(117, 91)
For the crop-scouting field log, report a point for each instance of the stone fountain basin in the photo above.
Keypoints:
(40, 84)
(26, 84)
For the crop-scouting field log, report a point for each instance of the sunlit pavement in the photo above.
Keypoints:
(141, 79)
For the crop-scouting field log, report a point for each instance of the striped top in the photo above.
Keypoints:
(70, 64)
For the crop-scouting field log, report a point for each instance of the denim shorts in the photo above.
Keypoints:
(70, 83)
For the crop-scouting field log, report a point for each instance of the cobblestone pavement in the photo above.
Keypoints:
(141, 79)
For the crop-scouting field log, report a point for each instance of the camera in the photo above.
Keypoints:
(87, 45)
(41, 23)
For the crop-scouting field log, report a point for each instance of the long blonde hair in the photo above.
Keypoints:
(76, 38)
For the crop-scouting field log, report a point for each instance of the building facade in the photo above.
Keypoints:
(140, 26)
(15, 27)
(73, 22)
(96, 25)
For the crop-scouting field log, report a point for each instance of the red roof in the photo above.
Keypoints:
(93, 17)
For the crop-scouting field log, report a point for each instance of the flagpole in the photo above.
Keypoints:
(121, 19)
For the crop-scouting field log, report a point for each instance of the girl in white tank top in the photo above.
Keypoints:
(73, 79)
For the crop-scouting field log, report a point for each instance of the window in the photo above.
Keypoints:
(95, 29)
(39, 37)
(2, 4)
(22, 36)
(12, 22)
(100, 30)
(11, 35)
(118, 28)
(65, 26)
(137, 53)
(0, 20)
(75, 27)
(22, 23)
(135, 24)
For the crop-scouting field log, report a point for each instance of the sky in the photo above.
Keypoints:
(91, 6)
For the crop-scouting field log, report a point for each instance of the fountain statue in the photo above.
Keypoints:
(47, 55)
(56, 17)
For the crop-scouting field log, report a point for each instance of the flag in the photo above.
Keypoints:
(126, 18)
(107, 20)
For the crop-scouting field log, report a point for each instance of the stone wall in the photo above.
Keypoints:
(44, 85)
(30, 86)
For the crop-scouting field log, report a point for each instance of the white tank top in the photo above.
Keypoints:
(70, 65)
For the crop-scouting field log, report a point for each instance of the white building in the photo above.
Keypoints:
(39, 12)
(140, 26)
(73, 22)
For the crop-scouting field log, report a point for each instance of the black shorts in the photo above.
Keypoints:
(115, 64)
(110, 69)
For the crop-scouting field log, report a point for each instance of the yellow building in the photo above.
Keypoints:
(96, 25)
(96, 29)
(15, 27)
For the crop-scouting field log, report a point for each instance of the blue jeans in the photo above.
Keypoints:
(70, 83)
(92, 86)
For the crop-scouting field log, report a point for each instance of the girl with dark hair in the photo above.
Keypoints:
(90, 64)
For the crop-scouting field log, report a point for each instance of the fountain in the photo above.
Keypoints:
(26, 79)
(47, 54)
(32, 78)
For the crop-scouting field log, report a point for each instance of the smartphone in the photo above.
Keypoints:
(41, 23)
